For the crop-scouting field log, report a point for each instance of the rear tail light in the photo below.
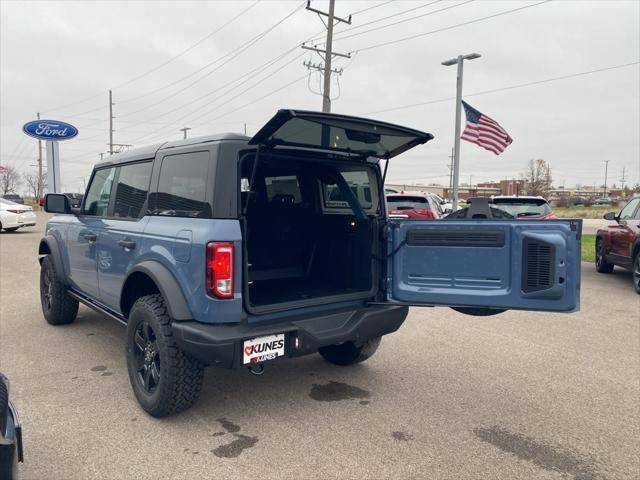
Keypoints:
(425, 212)
(220, 269)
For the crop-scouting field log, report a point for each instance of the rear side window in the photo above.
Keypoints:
(283, 187)
(132, 188)
(182, 186)
(97, 200)
(359, 181)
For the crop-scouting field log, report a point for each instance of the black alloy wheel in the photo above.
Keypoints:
(147, 357)
(47, 289)
(636, 273)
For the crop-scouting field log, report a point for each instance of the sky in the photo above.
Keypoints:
(220, 66)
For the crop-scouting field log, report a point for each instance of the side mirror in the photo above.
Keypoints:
(610, 216)
(56, 203)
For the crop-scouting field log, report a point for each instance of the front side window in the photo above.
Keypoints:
(132, 189)
(359, 181)
(96, 202)
(627, 212)
(182, 186)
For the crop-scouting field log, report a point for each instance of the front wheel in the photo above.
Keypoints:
(602, 266)
(57, 306)
(636, 272)
(165, 379)
(349, 353)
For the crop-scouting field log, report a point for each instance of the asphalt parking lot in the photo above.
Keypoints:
(520, 395)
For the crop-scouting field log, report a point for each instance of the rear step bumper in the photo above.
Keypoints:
(221, 345)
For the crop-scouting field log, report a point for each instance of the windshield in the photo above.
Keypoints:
(407, 202)
(523, 207)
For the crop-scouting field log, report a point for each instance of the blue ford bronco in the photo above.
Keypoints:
(233, 251)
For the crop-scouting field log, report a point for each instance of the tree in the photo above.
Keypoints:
(36, 188)
(538, 178)
(9, 179)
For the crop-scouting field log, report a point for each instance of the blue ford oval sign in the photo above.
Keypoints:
(50, 130)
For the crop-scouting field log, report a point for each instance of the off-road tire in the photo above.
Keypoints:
(635, 272)
(349, 353)
(180, 376)
(602, 266)
(58, 307)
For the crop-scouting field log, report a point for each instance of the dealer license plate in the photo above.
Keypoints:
(261, 349)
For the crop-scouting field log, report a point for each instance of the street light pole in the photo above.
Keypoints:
(459, 60)
(606, 171)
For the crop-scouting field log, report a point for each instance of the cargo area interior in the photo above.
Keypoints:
(303, 240)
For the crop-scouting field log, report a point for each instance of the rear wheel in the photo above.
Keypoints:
(349, 353)
(636, 272)
(165, 379)
(602, 265)
(57, 306)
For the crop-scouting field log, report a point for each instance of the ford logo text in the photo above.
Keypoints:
(50, 130)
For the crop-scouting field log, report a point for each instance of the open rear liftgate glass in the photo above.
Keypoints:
(500, 264)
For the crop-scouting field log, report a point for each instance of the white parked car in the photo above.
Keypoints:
(14, 216)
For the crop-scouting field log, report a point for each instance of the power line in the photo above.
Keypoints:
(405, 20)
(411, 37)
(357, 27)
(186, 118)
(252, 102)
(233, 54)
(208, 36)
(246, 76)
(511, 87)
(158, 67)
(371, 8)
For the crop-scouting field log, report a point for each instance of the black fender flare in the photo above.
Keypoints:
(50, 243)
(169, 288)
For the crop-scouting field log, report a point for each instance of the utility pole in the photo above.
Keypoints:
(451, 173)
(623, 179)
(606, 170)
(110, 123)
(456, 165)
(40, 186)
(185, 129)
(328, 52)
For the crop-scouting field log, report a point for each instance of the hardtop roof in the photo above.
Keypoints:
(149, 151)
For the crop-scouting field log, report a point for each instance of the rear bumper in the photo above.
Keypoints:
(221, 345)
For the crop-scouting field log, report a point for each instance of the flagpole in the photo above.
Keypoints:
(456, 145)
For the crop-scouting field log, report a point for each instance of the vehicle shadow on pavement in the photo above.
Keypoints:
(227, 392)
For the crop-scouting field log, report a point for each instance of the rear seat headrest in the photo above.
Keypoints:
(282, 200)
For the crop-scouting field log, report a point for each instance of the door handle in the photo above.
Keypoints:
(91, 237)
(127, 245)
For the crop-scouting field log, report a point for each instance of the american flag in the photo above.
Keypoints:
(484, 131)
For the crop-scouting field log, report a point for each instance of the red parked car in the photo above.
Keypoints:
(619, 243)
(413, 205)
(530, 208)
